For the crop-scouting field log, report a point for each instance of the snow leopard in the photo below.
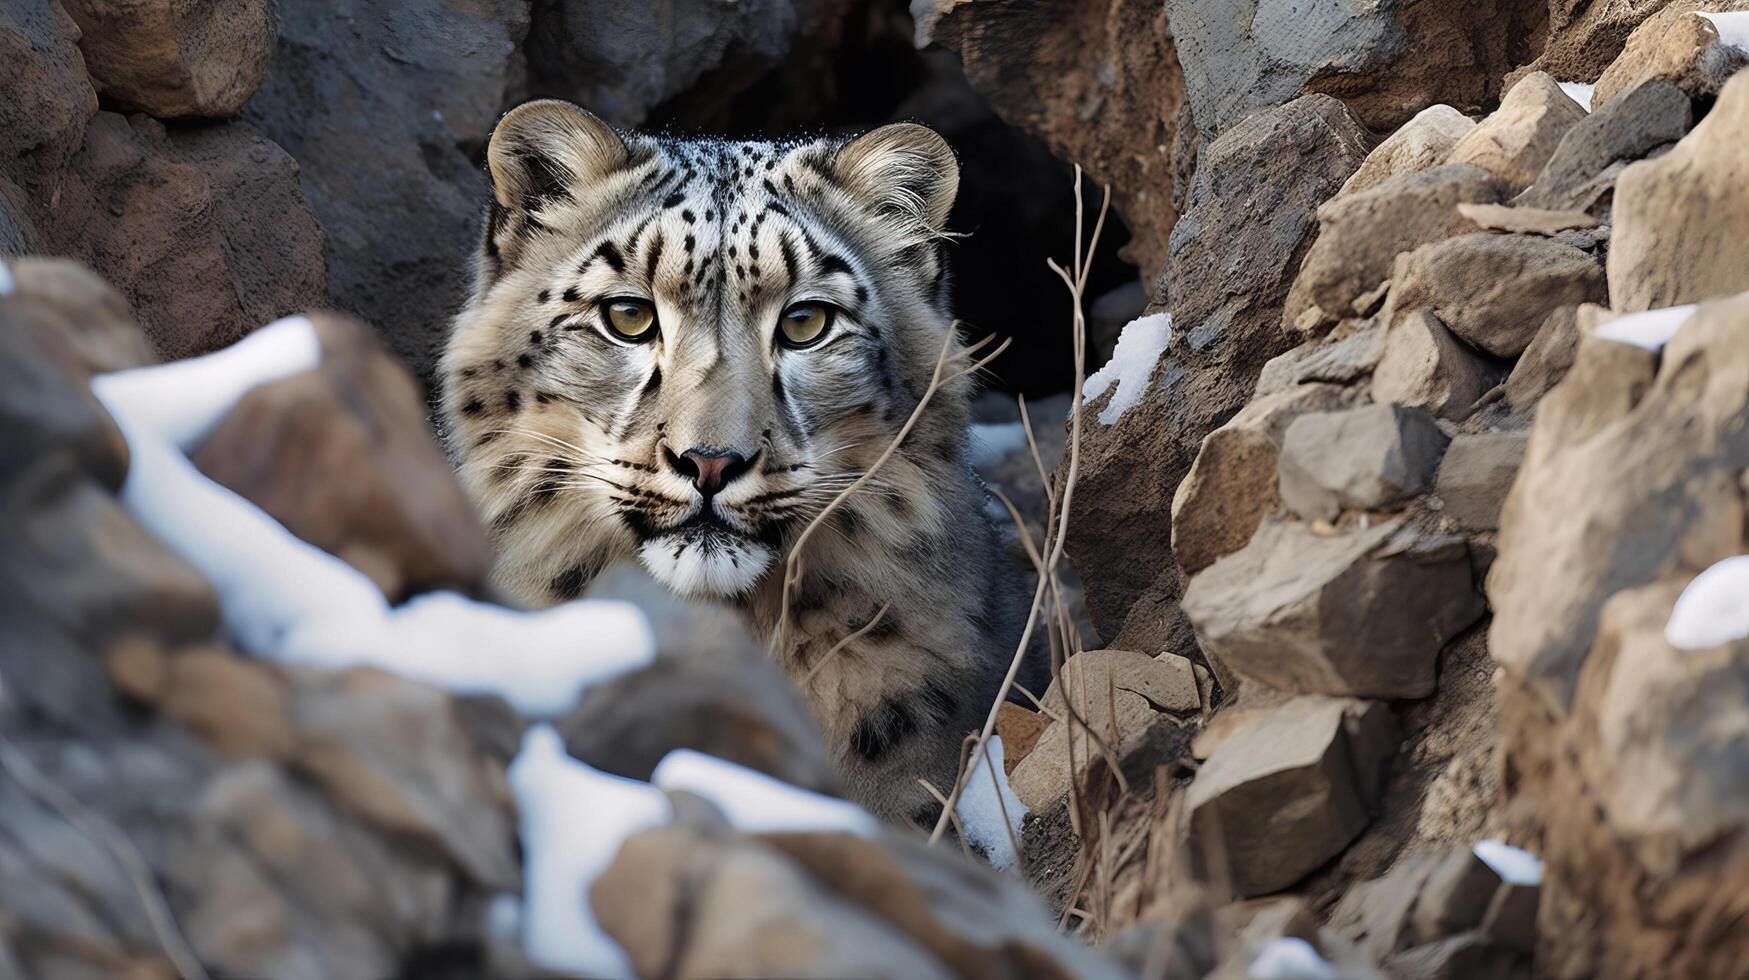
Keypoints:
(680, 350)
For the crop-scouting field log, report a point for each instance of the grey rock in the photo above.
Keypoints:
(1369, 458)
(1494, 291)
(1342, 361)
(1426, 366)
(1545, 362)
(1581, 173)
(1476, 474)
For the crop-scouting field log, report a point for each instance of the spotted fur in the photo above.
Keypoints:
(572, 441)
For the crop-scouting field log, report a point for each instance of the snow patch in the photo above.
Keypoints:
(1579, 92)
(1289, 958)
(1733, 27)
(573, 819)
(992, 442)
(982, 804)
(1131, 366)
(755, 802)
(1514, 865)
(1650, 330)
(1713, 609)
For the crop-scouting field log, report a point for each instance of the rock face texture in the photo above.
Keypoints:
(187, 58)
(1494, 291)
(1361, 459)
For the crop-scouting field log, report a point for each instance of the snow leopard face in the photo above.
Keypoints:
(682, 350)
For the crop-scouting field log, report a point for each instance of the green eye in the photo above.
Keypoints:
(805, 324)
(631, 319)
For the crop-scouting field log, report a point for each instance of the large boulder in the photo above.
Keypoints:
(1385, 61)
(1586, 36)
(1581, 174)
(381, 117)
(1099, 83)
(203, 228)
(331, 454)
(1359, 612)
(1679, 219)
(1286, 791)
(1494, 291)
(1420, 144)
(183, 58)
(1675, 45)
(48, 96)
(1226, 302)
(1369, 458)
(1517, 139)
(1360, 235)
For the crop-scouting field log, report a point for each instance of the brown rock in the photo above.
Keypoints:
(1426, 897)
(1118, 695)
(1420, 144)
(1518, 138)
(1288, 791)
(1545, 362)
(48, 97)
(1679, 218)
(1476, 474)
(1671, 44)
(1632, 447)
(1525, 220)
(1584, 168)
(1424, 365)
(1232, 484)
(1360, 612)
(184, 58)
(1469, 954)
(1099, 83)
(1585, 36)
(1494, 291)
(1359, 236)
(1337, 361)
(85, 310)
(1368, 458)
(331, 453)
(204, 229)
(17, 233)
(238, 705)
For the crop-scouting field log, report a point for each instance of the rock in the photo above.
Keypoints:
(1475, 475)
(1678, 218)
(1632, 447)
(1425, 898)
(331, 453)
(1362, 611)
(1226, 328)
(1359, 236)
(1420, 144)
(237, 705)
(84, 309)
(1107, 316)
(1582, 173)
(1336, 361)
(1369, 458)
(17, 233)
(185, 58)
(711, 688)
(1585, 36)
(48, 97)
(1287, 791)
(1511, 916)
(1227, 272)
(1545, 362)
(1425, 366)
(1518, 138)
(1118, 695)
(1469, 954)
(203, 228)
(1525, 220)
(1386, 63)
(1671, 44)
(1100, 84)
(379, 117)
(1232, 484)
(1494, 291)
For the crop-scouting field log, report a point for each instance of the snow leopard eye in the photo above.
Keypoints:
(805, 324)
(630, 319)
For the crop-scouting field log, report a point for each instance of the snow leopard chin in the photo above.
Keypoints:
(706, 563)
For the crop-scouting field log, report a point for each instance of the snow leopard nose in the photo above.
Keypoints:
(709, 470)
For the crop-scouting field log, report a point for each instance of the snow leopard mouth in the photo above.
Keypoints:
(706, 556)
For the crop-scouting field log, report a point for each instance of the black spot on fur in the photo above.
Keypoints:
(569, 584)
(524, 361)
(673, 200)
(534, 337)
(609, 252)
(555, 321)
(571, 294)
(473, 407)
(834, 263)
(544, 295)
(513, 400)
(882, 729)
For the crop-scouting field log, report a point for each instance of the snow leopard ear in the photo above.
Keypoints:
(904, 170)
(542, 155)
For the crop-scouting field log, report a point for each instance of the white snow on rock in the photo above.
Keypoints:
(1650, 330)
(1579, 92)
(991, 442)
(573, 820)
(1514, 865)
(1713, 609)
(1733, 27)
(1131, 366)
(287, 600)
(982, 804)
(1289, 958)
(757, 803)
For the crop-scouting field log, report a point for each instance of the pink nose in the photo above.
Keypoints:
(710, 471)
